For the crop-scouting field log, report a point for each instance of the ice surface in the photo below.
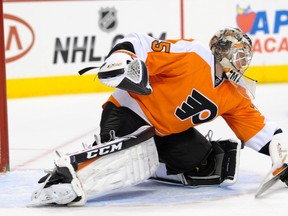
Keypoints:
(39, 126)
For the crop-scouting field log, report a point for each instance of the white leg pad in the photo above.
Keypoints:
(121, 169)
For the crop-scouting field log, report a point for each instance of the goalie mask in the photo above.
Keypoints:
(232, 48)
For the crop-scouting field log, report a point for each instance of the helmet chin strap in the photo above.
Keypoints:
(232, 76)
(224, 75)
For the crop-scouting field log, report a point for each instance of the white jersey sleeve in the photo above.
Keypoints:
(141, 44)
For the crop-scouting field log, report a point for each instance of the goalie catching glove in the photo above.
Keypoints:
(123, 70)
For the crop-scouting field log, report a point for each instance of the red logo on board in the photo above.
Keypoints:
(19, 37)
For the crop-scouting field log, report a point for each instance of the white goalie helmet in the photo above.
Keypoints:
(232, 48)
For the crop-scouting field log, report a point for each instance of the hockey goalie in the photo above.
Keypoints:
(163, 90)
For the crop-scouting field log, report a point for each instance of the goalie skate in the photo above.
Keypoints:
(55, 194)
(270, 181)
(60, 186)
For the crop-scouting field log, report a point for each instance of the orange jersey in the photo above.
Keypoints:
(185, 92)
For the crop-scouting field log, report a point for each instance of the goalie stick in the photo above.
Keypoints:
(270, 181)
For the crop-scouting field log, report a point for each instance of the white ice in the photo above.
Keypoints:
(39, 126)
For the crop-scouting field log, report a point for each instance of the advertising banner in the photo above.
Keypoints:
(61, 37)
(48, 42)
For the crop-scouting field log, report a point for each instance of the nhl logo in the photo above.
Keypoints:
(107, 21)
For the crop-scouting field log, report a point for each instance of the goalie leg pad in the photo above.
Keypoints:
(122, 162)
(121, 169)
(230, 163)
(226, 155)
(182, 179)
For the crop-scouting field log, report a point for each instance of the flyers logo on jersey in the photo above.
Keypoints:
(197, 107)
